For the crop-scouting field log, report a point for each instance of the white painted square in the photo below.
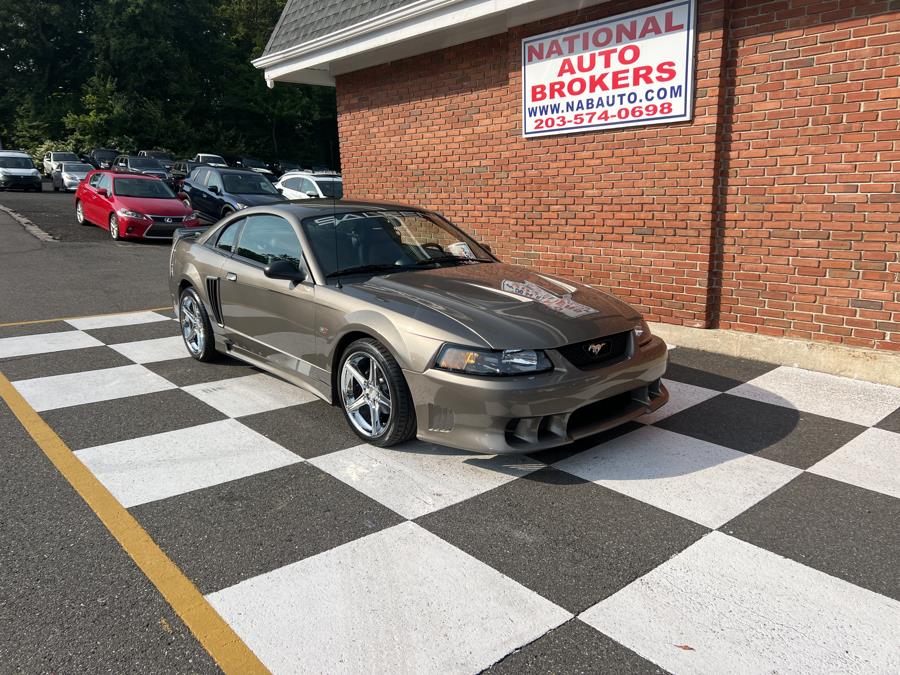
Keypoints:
(695, 479)
(151, 351)
(398, 601)
(153, 467)
(842, 398)
(416, 478)
(681, 397)
(248, 395)
(44, 343)
(725, 605)
(62, 391)
(115, 320)
(871, 461)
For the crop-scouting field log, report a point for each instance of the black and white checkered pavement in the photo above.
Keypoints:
(751, 525)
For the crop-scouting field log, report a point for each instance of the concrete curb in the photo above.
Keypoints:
(29, 226)
(860, 364)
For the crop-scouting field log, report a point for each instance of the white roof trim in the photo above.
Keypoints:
(413, 29)
(406, 12)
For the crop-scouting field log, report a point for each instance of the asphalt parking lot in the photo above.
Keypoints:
(750, 522)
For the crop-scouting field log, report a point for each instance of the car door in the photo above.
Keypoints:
(273, 319)
(103, 204)
(194, 188)
(215, 190)
(89, 198)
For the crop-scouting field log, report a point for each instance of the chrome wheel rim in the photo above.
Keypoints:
(79, 213)
(114, 227)
(365, 394)
(192, 325)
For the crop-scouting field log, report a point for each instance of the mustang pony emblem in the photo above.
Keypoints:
(597, 348)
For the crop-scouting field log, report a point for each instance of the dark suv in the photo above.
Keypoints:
(213, 192)
(146, 166)
(101, 158)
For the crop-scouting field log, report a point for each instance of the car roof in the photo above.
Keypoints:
(304, 208)
(222, 169)
(14, 153)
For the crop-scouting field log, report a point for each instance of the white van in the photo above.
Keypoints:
(17, 171)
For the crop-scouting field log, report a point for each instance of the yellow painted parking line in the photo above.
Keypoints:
(213, 632)
(84, 316)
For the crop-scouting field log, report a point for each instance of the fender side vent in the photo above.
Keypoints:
(212, 292)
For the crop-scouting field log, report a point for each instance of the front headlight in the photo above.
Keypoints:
(3, 174)
(240, 206)
(68, 177)
(492, 362)
(642, 333)
(35, 172)
(127, 213)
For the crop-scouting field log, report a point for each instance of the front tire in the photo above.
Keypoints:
(196, 329)
(374, 396)
(113, 227)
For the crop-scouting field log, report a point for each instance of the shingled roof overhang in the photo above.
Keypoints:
(315, 40)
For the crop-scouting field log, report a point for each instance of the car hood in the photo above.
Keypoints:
(154, 207)
(508, 306)
(256, 200)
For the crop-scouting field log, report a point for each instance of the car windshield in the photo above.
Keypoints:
(248, 184)
(145, 163)
(159, 155)
(253, 163)
(65, 157)
(331, 187)
(76, 167)
(212, 159)
(388, 241)
(16, 163)
(105, 154)
(142, 187)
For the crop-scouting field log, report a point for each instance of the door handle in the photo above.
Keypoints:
(231, 276)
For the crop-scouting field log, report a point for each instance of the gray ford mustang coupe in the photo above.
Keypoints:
(412, 327)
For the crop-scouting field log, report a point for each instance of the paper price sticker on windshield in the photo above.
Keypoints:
(628, 70)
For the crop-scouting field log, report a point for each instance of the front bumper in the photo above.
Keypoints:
(20, 182)
(157, 228)
(526, 414)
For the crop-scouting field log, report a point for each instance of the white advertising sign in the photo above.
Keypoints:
(627, 70)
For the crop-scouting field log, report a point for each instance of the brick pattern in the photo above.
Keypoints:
(773, 211)
(811, 245)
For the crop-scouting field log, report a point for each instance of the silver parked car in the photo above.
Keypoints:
(68, 175)
(412, 327)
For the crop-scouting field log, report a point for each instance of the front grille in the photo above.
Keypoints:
(167, 219)
(597, 352)
(13, 181)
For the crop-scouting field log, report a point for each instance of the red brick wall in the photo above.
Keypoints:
(706, 223)
(811, 240)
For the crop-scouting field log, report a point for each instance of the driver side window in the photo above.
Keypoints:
(267, 238)
(95, 180)
(214, 180)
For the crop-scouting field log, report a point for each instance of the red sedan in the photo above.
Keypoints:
(131, 205)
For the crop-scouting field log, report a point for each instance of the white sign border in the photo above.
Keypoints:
(689, 82)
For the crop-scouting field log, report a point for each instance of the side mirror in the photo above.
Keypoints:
(282, 269)
(312, 194)
(103, 192)
(214, 189)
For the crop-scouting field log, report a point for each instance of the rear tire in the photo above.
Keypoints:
(356, 385)
(79, 213)
(196, 329)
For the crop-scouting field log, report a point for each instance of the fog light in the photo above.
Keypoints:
(129, 229)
